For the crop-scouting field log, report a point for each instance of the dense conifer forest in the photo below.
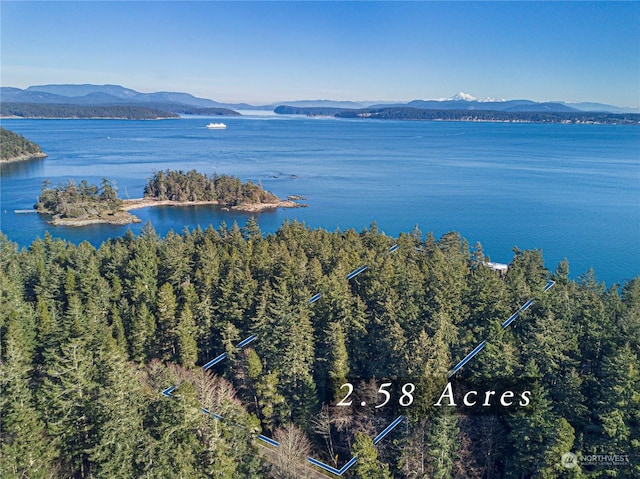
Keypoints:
(91, 337)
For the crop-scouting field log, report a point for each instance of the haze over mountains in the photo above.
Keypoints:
(88, 94)
(464, 101)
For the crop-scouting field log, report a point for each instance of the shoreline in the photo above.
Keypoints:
(84, 118)
(124, 217)
(120, 218)
(17, 159)
(137, 203)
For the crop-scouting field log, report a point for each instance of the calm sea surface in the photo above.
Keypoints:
(571, 190)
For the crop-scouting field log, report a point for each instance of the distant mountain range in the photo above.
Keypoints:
(109, 95)
(177, 102)
(465, 102)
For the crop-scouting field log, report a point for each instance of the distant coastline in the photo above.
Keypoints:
(85, 112)
(480, 116)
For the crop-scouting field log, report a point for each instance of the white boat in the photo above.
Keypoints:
(216, 126)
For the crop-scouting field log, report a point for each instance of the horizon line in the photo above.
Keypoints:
(262, 103)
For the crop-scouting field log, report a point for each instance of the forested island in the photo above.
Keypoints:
(410, 113)
(14, 147)
(71, 204)
(202, 111)
(179, 188)
(74, 204)
(90, 337)
(51, 110)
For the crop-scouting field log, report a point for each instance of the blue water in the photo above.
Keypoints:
(571, 190)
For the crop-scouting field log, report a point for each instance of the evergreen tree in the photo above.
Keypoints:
(67, 403)
(141, 332)
(167, 324)
(117, 413)
(187, 346)
(368, 466)
(538, 436)
(25, 449)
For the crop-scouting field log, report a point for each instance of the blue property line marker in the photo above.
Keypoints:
(333, 470)
(223, 356)
(169, 391)
(339, 472)
(206, 411)
(315, 298)
(354, 459)
(388, 429)
(511, 319)
(272, 442)
(356, 272)
(268, 440)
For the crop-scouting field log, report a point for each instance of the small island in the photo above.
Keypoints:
(70, 204)
(177, 188)
(14, 147)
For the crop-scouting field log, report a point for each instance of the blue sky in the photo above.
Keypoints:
(263, 52)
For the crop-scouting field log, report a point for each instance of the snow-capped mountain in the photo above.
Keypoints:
(462, 96)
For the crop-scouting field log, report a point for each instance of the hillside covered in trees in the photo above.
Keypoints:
(52, 110)
(90, 338)
(415, 113)
(15, 147)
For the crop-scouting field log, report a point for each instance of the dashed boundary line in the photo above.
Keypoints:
(505, 325)
(168, 392)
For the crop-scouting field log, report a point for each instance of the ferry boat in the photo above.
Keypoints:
(216, 126)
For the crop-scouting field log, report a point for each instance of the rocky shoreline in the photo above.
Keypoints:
(138, 203)
(120, 218)
(124, 217)
(30, 156)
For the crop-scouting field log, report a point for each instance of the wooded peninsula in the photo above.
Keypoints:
(71, 204)
(14, 147)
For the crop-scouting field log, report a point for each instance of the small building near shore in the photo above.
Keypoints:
(499, 267)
